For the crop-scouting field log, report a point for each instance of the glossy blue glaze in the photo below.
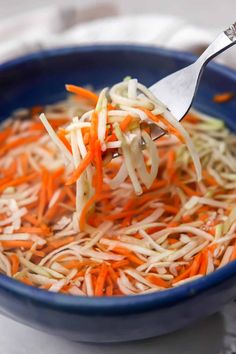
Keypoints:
(39, 79)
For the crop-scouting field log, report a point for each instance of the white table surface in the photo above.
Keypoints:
(215, 335)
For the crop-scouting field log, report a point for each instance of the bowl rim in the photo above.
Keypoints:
(121, 304)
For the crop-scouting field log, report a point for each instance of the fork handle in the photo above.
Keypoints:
(224, 40)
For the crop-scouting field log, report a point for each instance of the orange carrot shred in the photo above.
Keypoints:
(223, 97)
(82, 92)
(157, 281)
(14, 263)
(101, 279)
(61, 136)
(16, 244)
(80, 169)
(26, 281)
(120, 264)
(43, 198)
(125, 123)
(158, 119)
(170, 164)
(99, 168)
(196, 265)
(18, 142)
(233, 256)
(182, 276)
(18, 181)
(204, 263)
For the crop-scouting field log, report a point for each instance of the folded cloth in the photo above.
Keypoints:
(52, 27)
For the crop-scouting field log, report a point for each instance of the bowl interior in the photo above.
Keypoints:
(40, 78)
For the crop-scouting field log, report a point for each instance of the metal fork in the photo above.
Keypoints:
(178, 90)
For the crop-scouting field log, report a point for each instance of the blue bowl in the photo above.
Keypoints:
(40, 79)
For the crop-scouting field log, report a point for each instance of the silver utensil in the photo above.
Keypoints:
(177, 91)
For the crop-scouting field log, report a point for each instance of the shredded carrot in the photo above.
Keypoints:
(204, 263)
(120, 264)
(129, 255)
(43, 194)
(11, 170)
(34, 230)
(111, 137)
(185, 274)
(46, 286)
(61, 242)
(86, 138)
(109, 290)
(210, 180)
(26, 281)
(233, 256)
(100, 283)
(81, 168)
(99, 167)
(157, 281)
(82, 92)
(81, 273)
(196, 265)
(50, 187)
(172, 241)
(85, 210)
(52, 211)
(73, 264)
(4, 134)
(58, 174)
(170, 209)
(191, 118)
(212, 248)
(70, 194)
(31, 219)
(189, 191)
(203, 217)
(223, 97)
(78, 264)
(173, 224)
(93, 130)
(186, 218)
(125, 123)
(61, 135)
(14, 263)
(24, 163)
(40, 254)
(18, 142)
(16, 244)
(121, 215)
(117, 292)
(36, 110)
(113, 274)
(170, 164)
(160, 118)
(18, 181)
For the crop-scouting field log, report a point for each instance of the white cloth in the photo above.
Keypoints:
(58, 27)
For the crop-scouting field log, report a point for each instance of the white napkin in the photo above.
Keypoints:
(72, 25)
